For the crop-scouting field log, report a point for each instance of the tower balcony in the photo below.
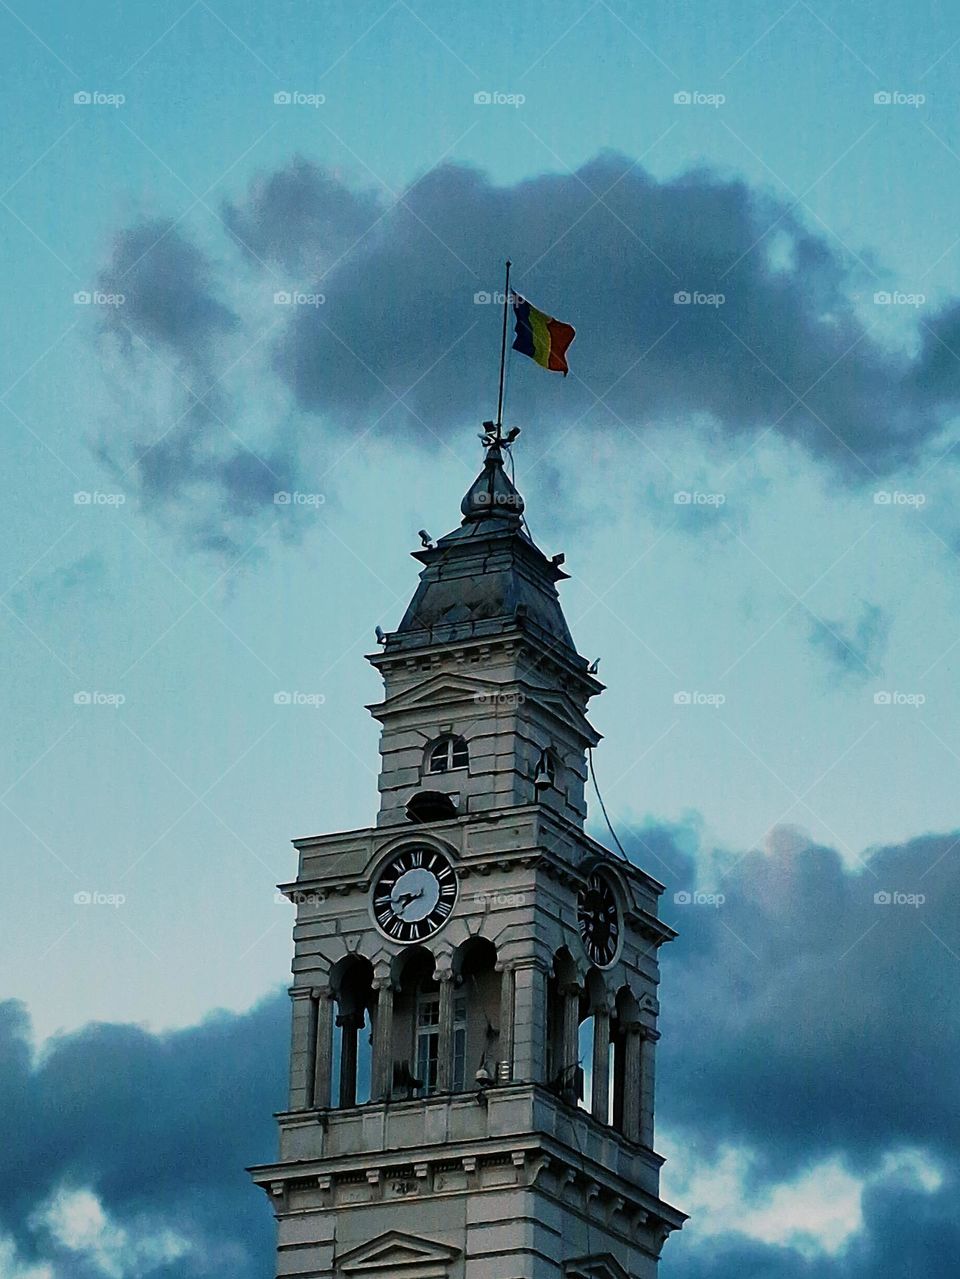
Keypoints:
(521, 1118)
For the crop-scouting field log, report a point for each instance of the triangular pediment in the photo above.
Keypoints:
(397, 1253)
(605, 1267)
(443, 689)
(563, 706)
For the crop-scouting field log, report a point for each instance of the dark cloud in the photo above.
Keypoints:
(806, 1015)
(938, 367)
(609, 248)
(168, 288)
(803, 1019)
(404, 340)
(187, 451)
(853, 651)
(300, 218)
(157, 1126)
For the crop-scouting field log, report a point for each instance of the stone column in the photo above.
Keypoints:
(504, 1071)
(647, 1083)
(600, 1101)
(619, 1052)
(349, 1024)
(530, 1022)
(570, 1042)
(302, 1048)
(445, 1047)
(383, 1042)
(631, 1081)
(323, 1052)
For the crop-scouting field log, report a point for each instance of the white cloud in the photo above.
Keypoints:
(817, 1213)
(76, 1222)
(11, 1267)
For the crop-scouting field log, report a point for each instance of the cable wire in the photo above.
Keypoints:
(603, 807)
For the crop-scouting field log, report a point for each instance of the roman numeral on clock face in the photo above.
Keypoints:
(414, 895)
(599, 920)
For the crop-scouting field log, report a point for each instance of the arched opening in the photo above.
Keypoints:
(446, 754)
(585, 1033)
(430, 806)
(352, 986)
(416, 1026)
(475, 1037)
(596, 1048)
(564, 1075)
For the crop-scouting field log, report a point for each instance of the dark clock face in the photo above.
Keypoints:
(415, 894)
(599, 920)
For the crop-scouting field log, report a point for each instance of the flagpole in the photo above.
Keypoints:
(503, 352)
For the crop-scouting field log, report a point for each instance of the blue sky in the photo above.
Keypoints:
(183, 599)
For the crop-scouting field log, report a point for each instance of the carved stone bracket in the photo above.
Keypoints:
(616, 1204)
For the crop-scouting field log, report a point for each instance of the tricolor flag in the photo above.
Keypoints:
(541, 337)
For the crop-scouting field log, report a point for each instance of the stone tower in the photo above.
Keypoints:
(475, 978)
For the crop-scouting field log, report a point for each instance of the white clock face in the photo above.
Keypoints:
(415, 894)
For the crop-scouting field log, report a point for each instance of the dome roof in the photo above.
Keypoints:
(487, 576)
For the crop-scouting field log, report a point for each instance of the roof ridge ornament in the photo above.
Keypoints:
(492, 433)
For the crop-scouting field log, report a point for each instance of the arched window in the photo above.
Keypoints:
(416, 1049)
(428, 1039)
(447, 754)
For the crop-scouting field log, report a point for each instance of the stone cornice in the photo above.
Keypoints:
(545, 651)
(540, 1162)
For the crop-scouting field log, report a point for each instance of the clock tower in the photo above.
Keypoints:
(474, 1001)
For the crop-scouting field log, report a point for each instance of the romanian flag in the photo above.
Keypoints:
(541, 337)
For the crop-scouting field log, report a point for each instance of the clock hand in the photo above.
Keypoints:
(406, 899)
